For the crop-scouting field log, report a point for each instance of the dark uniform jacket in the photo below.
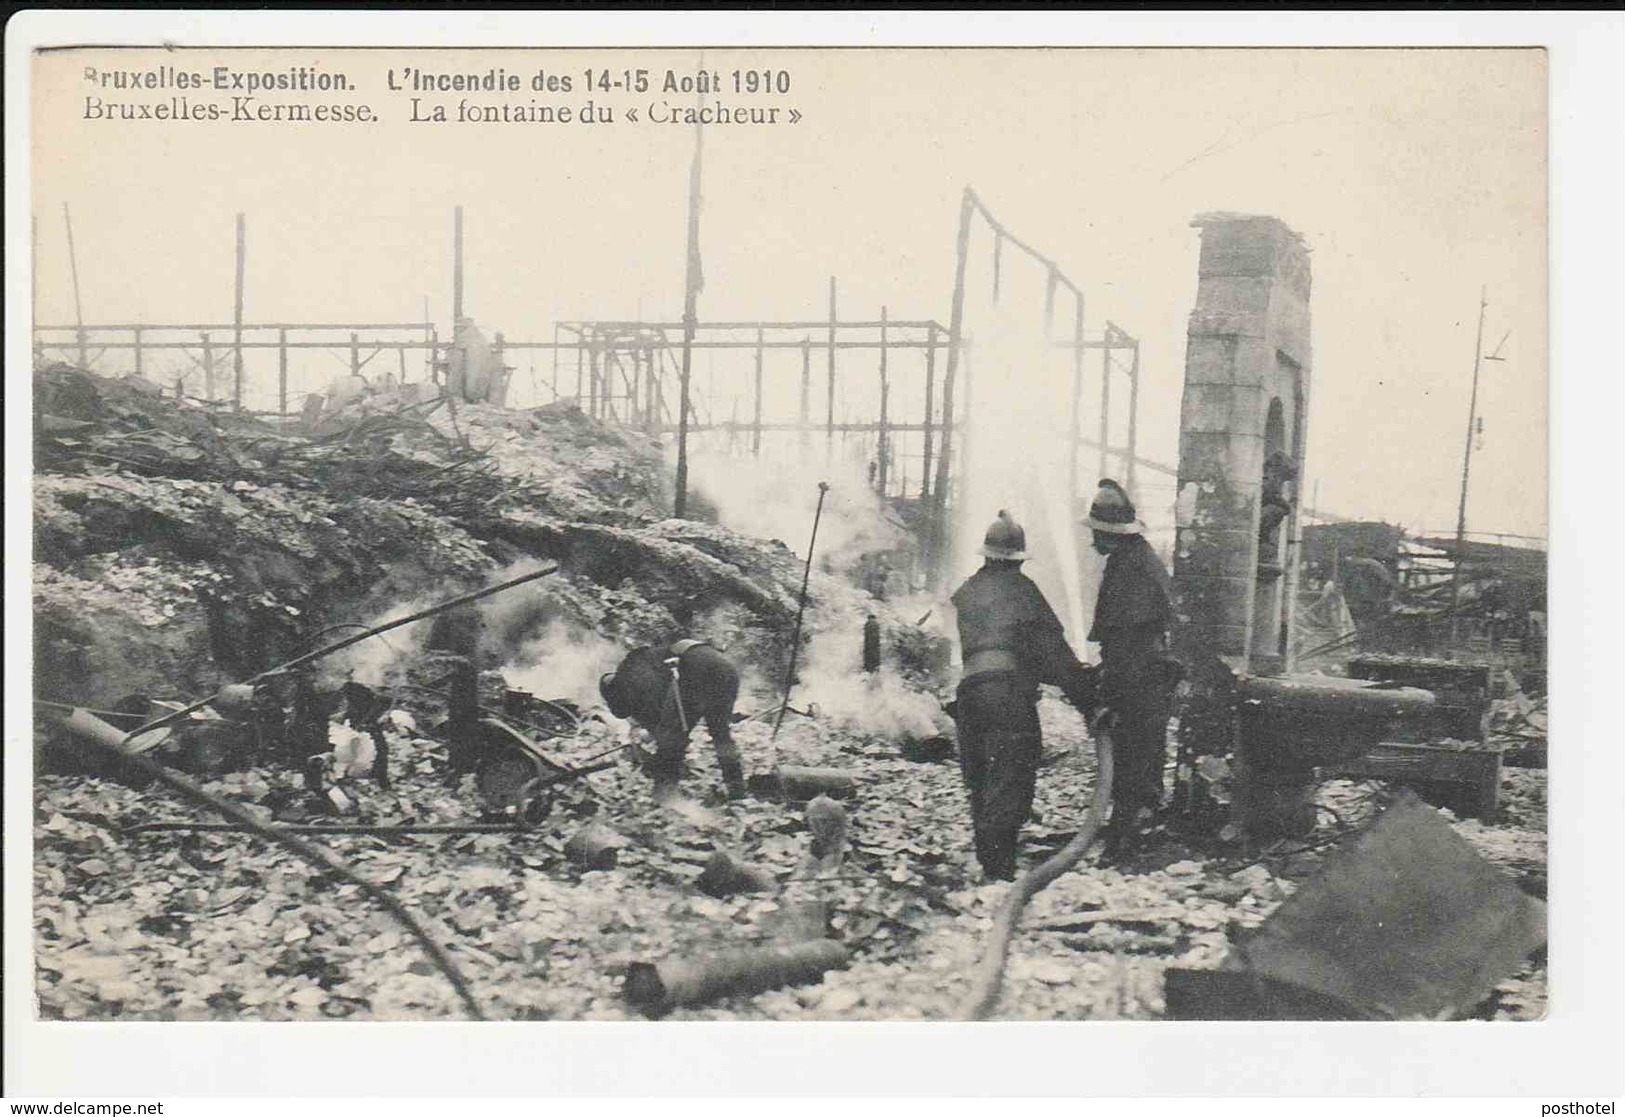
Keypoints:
(1132, 617)
(1000, 610)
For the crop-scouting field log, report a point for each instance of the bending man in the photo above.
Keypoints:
(667, 691)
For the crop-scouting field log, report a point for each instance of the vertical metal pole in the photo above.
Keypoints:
(882, 442)
(1105, 398)
(942, 555)
(998, 262)
(430, 336)
(651, 387)
(1072, 485)
(930, 392)
(33, 274)
(208, 369)
(457, 268)
(496, 388)
(400, 357)
(756, 417)
(136, 333)
(355, 354)
(555, 360)
(693, 280)
(282, 372)
(1133, 420)
(829, 410)
(1466, 465)
(660, 394)
(237, 317)
(78, 310)
(805, 420)
(593, 394)
(581, 364)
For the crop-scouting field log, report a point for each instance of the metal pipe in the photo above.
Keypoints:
(237, 315)
(73, 268)
(348, 641)
(801, 609)
(956, 321)
(457, 267)
(1466, 465)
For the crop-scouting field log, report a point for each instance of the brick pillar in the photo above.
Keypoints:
(1248, 345)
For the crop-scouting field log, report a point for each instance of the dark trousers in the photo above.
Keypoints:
(999, 745)
(710, 685)
(1139, 750)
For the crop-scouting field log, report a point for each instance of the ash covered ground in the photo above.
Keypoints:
(178, 549)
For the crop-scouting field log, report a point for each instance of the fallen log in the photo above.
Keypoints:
(799, 784)
(106, 741)
(726, 875)
(657, 988)
(984, 991)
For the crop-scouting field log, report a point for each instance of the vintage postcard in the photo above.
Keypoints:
(784, 534)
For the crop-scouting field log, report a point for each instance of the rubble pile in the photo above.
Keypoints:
(179, 548)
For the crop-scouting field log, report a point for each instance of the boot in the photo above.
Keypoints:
(665, 790)
(733, 778)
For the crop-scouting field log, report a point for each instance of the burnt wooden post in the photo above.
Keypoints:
(282, 372)
(882, 443)
(930, 392)
(756, 403)
(237, 316)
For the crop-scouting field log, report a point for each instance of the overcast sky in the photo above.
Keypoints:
(1416, 178)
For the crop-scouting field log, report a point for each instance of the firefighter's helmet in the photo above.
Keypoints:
(1113, 512)
(1005, 539)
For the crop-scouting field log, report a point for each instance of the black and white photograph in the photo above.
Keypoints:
(781, 534)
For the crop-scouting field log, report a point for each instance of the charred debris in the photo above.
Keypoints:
(225, 678)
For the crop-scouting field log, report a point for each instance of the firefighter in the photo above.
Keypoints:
(667, 691)
(1011, 642)
(1137, 676)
